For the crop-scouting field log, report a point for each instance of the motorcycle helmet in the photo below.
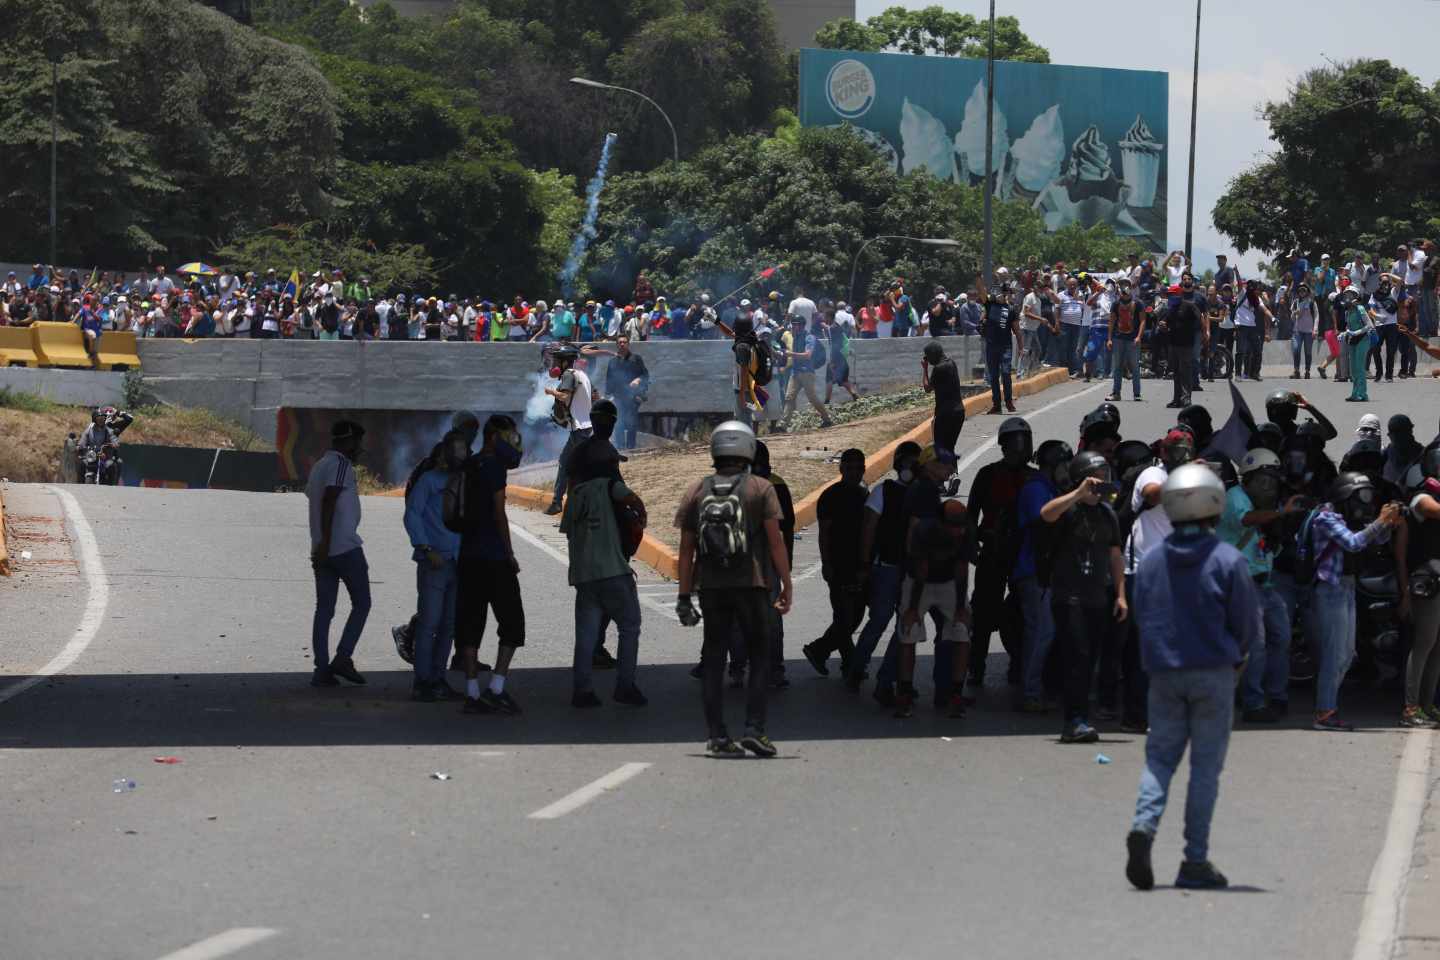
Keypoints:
(1260, 476)
(733, 440)
(1098, 424)
(1111, 411)
(1281, 407)
(1364, 456)
(1355, 497)
(1088, 463)
(1259, 459)
(1016, 441)
(1267, 435)
(1177, 449)
(1131, 454)
(1198, 419)
(1192, 494)
(1051, 458)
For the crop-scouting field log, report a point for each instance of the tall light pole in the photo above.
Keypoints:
(54, 148)
(927, 241)
(597, 85)
(1194, 103)
(988, 255)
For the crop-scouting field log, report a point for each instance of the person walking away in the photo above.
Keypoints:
(1253, 523)
(488, 571)
(1182, 324)
(837, 372)
(576, 393)
(936, 583)
(435, 550)
(840, 514)
(940, 376)
(627, 382)
(337, 554)
(1000, 328)
(882, 547)
(728, 522)
(994, 522)
(1126, 330)
(1338, 529)
(1419, 577)
(1304, 320)
(1357, 324)
(1199, 614)
(599, 566)
(810, 360)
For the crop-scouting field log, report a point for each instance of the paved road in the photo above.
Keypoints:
(305, 823)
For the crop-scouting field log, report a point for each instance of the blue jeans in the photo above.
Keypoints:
(997, 372)
(1070, 345)
(1335, 620)
(883, 602)
(1299, 340)
(1268, 672)
(614, 598)
(940, 673)
(351, 568)
(1194, 707)
(436, 627)
(1125, 352)
(1039, 632)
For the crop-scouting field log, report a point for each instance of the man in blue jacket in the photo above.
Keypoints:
(1199, 615)
(436, 550)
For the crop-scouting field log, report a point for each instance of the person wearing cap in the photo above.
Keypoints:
(576, 395)
(1199, 614)
(808, 359)
(337, 554)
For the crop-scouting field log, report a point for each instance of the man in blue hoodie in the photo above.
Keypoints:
(1199, 615)
(436, 550)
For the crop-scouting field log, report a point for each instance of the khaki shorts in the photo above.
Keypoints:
(939, 597)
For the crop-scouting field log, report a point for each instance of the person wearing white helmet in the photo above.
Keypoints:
(1199, 614)
(730, 542)
(1254, 523)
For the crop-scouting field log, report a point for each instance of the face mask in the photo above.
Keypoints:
(905, 475)
(509, 448)
(1263, 490)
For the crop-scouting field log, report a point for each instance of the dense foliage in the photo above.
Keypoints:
(932, 31)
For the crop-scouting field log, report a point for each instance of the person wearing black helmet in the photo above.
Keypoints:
(1100, 430)
(1349, 522)
(994, 495)
(1200, 423)
(940, 376)
(1281, 407)
(574, 397)
(1087, 582)
(1030, 579)
(1419, 575)
(1403, 450)
(1000, 328)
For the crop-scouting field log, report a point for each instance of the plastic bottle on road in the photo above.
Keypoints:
(123, 785)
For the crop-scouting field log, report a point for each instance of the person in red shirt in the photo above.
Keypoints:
(868, 319)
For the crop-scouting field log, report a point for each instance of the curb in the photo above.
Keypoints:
(4, 556)
(652, 552)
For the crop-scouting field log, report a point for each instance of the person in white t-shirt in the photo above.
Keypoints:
(337, 554)
(845, 319)
(802, 306)
(1152, 525)
(577, 395)
(1175, 267)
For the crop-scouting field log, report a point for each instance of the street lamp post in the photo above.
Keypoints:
(1194, 102)
(54, 149)
(988, 255)
(597, 85)
(927, 241)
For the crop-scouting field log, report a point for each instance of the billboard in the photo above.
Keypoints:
(1081, 144)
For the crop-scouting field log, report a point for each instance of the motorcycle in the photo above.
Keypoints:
(101, 467)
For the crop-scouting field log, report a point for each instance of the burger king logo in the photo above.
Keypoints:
(850, 88)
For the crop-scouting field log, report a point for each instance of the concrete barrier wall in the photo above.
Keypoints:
(80, 388)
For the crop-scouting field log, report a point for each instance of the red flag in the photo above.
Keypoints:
(766, 274)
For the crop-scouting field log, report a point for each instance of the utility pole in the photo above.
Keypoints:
(54, 147)
(988, 260)
(1194, 103)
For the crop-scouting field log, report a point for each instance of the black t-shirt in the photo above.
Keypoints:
(484, 477)
(842, 508)
(998, 324)
(593, 458)
(945, 381)
(942, 318)
(1082, 541)
(1127, 316)
(1184, 319)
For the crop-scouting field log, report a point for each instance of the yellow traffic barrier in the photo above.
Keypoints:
(17, 348)
(117, 351)
(59, 345)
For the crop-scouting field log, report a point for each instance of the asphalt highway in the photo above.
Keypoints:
(310, 823)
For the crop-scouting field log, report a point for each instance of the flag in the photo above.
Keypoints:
(1233, 439)
(767, 274)
(292, 286)
(94, 277)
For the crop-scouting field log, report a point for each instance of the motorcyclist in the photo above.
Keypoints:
(106, 425)
(1281, 407)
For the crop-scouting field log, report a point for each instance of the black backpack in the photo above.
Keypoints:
(723, 537)
(1305, 557)
(819, 356)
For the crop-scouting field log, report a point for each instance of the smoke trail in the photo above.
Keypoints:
(587, 228)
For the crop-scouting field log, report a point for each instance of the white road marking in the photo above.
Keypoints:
(983, 449)
(222, 944)
(1385, 897)
(518, 531)
(589, 792)
(809, 572)
(95, 605)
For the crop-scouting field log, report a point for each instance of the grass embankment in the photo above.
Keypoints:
(33, 430)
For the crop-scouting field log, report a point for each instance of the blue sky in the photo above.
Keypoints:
(1250, 52)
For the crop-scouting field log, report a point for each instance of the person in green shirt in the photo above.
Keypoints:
(1355, 321)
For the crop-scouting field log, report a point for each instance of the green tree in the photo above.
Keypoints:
(1357, 165)
(932, 31)
(314, 246)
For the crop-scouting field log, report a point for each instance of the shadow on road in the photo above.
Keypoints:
(281, 709)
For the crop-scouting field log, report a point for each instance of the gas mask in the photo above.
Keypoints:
(905, 473)
(1015, 451)
(1361, 509)
(1263, 488)
(509, 448)
(1176, 455)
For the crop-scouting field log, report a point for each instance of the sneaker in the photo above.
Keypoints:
(1139, 399)
(904, 705)
(1413, 717)
(1137, 862)
(1432, 711)
(1174, 405)
(723, 748)
(996, 408)
(884, 695)
(1330, 720)
(404, 647)
(1321, 371)
(1079, 732)
(423, 693)
(1138, 727)
(631, 697)
(500, 702)
(554, 510)
(344, 667)
(816, 659)
(737, 679)
(443, 690)
(1113, 398)
(759, 744)
(1200, 876)
(323, 678)
(1009, 406)
(602, 660)
(1033, 705)
(1259, 715)
(956, 707)
(583, 700)
(698, 671)
(475, 705)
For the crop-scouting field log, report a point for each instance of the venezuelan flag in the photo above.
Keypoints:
(292, 286)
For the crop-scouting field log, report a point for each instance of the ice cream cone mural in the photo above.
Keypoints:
(970, 139)
(1140, 162)
(1041, 152)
